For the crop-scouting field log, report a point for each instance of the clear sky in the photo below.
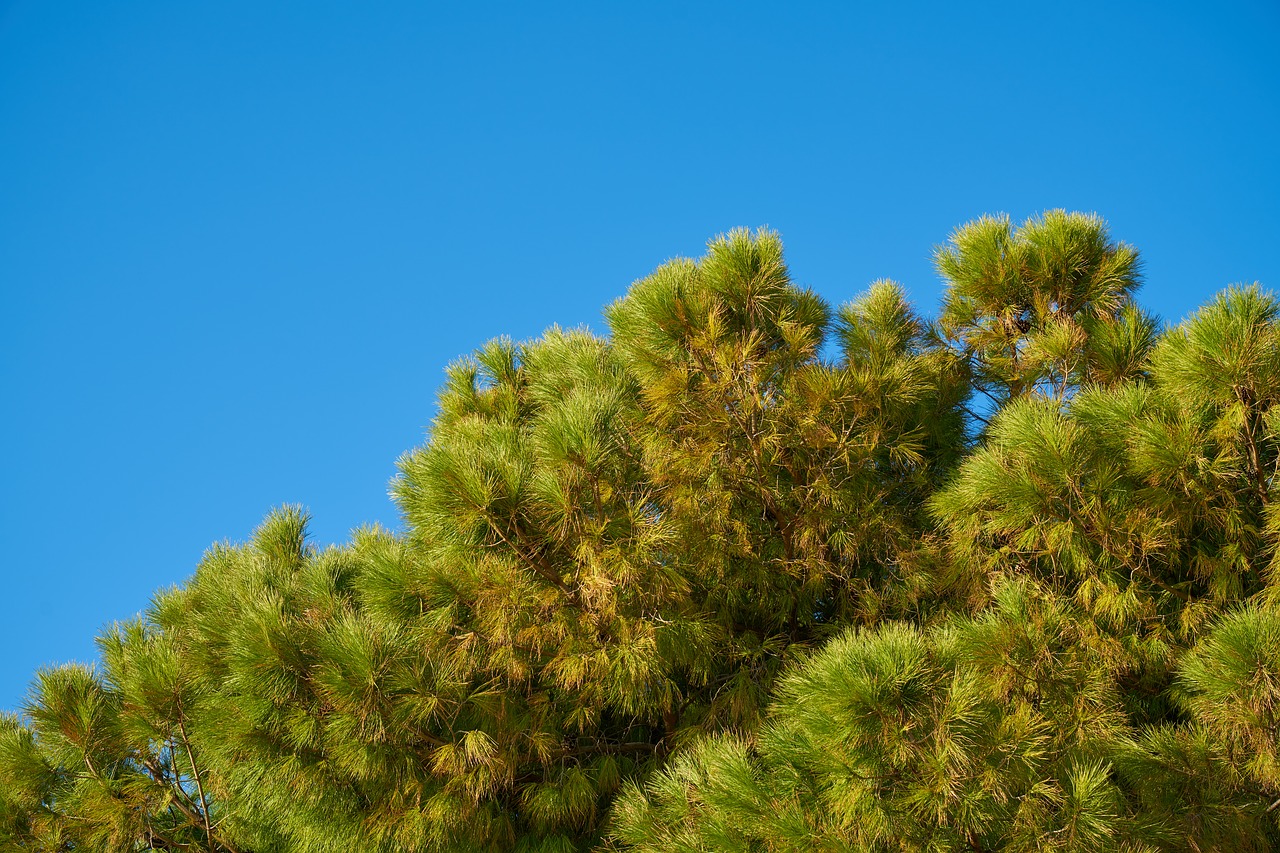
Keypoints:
(239, 241)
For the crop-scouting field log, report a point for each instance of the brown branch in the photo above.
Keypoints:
(606, 748)
(195, 774)
(157, 774)
(538, 565)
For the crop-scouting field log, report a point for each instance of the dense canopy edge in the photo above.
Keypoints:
(750, 572)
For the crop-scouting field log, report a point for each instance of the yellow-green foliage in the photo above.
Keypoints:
(748, 573)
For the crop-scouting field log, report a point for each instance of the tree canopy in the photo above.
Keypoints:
(746, 573)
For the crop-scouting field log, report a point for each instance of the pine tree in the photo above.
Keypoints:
(1046, 307)
(749, 574)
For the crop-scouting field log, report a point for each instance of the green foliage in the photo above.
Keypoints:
(991, 733)
(1042, 308)
(792, 486)
(741, 575)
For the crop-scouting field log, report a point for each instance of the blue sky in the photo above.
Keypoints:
(239, 241)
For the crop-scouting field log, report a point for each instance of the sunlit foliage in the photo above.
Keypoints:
(747, 573)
